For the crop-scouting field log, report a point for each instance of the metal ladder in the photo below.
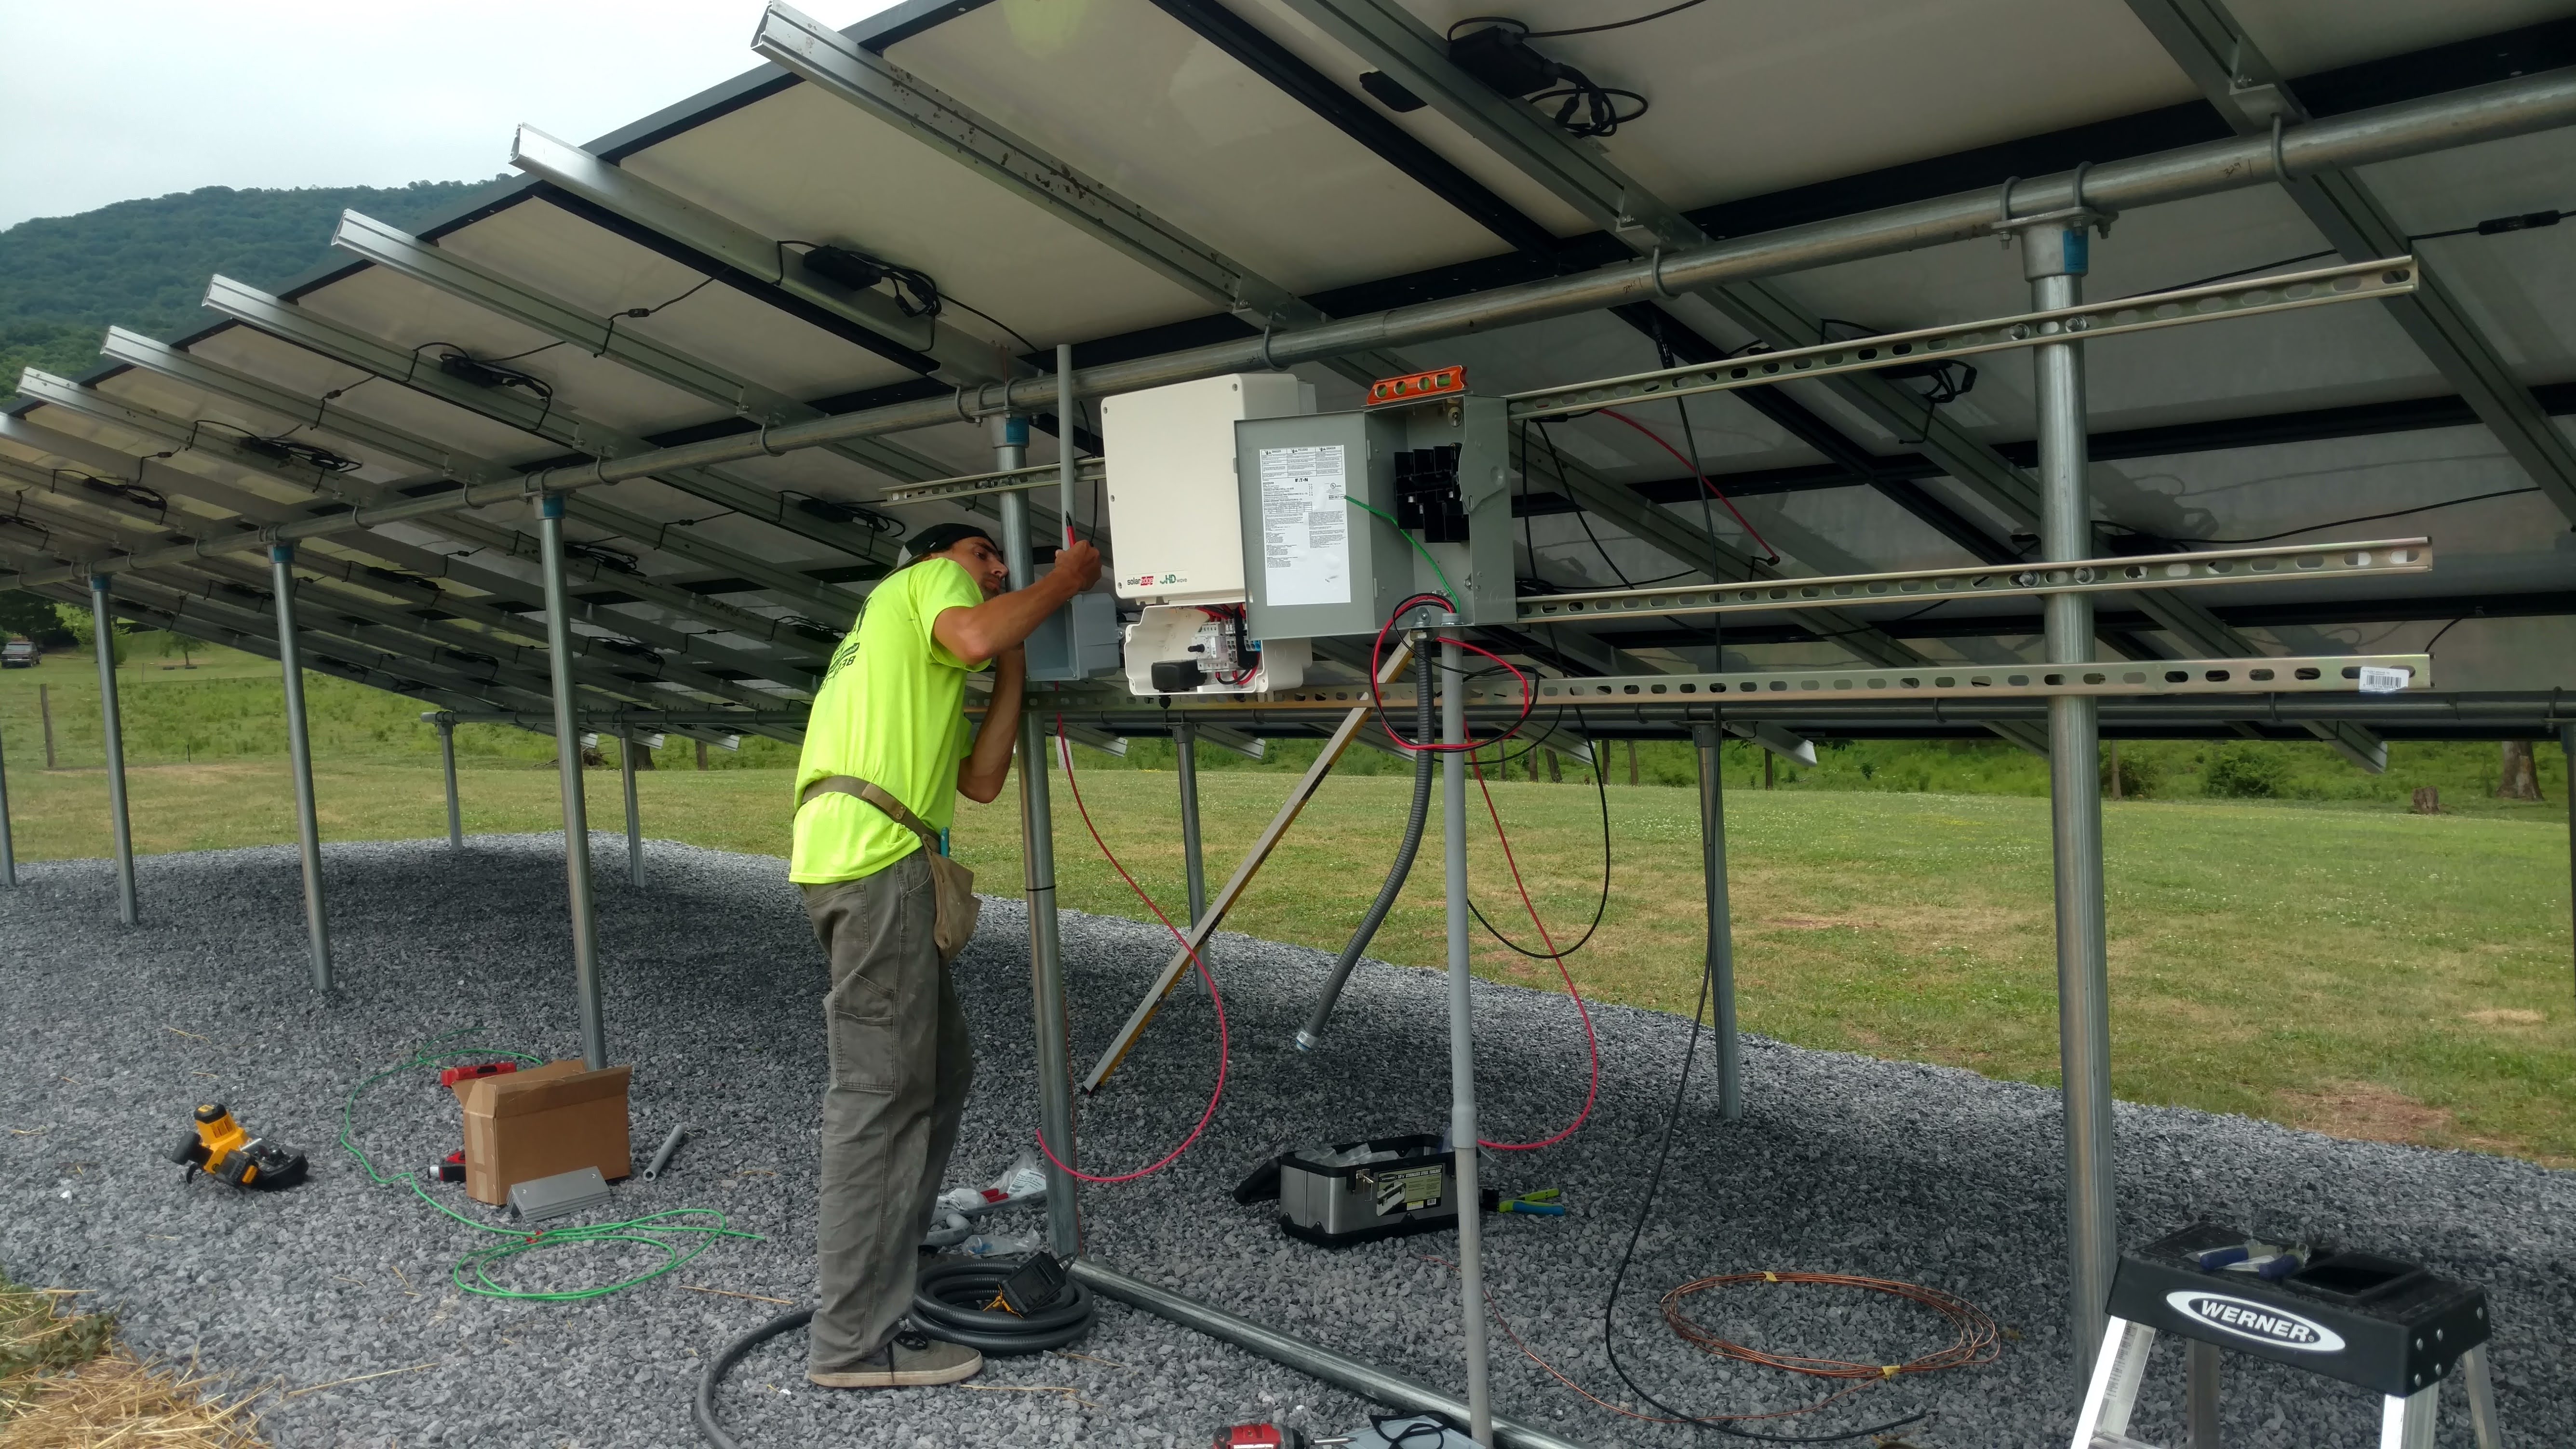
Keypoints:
(2404, 1423)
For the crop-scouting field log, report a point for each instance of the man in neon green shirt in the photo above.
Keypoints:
(891, 713)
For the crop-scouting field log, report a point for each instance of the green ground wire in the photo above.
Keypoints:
(1409, 538)
(480, 1263)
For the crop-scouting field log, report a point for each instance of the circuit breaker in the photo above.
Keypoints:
(1345, 514)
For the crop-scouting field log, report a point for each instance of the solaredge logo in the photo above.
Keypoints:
(2256, 1322)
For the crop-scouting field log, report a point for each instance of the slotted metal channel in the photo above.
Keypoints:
(2289, 292)
(2151, 571)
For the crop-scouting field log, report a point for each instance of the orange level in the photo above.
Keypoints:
(1418, 385)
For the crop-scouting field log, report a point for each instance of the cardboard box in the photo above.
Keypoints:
(535, 1123)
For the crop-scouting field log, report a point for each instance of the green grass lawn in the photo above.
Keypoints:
(2368, 973)
(2324, 959)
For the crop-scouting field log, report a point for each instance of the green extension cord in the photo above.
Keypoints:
(1436, 569)
(473, 1272)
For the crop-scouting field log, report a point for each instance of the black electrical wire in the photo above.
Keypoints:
(916, 292)
(2492, 226)
(948, 1302)
(2365, 518)
(702, 1408)
(1556, 460)
(282, 447)
(610, 335)
(1016, 335)
(2499, 225)
(494, 372)
(1619, 1276)
(1529, 34)
(1600, 908)
(953, 1301)
(2239, 272)
(1600, 105)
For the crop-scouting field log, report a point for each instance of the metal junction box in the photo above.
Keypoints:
(1078, 641)
(1433, 476)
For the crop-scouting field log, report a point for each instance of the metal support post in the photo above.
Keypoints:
(626, 748)
(299, 753)
(2200, 1394)
(1721, 923)
(2054, 257)
(1037, 856)
(447, 766)
(1462, 1034)
(8, 847)
(2567, 748)
(1185, 756)
(102, 620)
(576, 808)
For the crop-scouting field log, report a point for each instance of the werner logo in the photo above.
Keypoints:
(2258, 1322)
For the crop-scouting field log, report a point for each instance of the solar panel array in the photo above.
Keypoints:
(1135, 177)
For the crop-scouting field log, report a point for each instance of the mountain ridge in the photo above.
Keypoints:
(143, 264)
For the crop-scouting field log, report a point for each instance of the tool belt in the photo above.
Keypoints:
(952, 885)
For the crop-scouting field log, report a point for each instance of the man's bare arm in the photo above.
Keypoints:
(987, 766)
(982, 632)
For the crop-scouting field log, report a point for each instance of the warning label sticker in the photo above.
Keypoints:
(1410, 1191)
(1305, 527)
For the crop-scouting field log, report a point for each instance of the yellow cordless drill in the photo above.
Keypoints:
(220, 1148)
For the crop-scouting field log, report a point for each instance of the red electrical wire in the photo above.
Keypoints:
(1065, 745)
(1529, 696)
(1591, 1042)
(1714, 491)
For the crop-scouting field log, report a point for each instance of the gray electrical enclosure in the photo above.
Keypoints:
(1078, 641)
(1316, 565)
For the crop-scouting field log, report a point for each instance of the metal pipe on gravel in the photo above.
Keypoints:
(447, 766)
(102, 618)
(299, 753)
(576, 808)
(1338, 1369)
(1706, 738)
(1462, 1029)
(2055, 255)
(1053, 1047)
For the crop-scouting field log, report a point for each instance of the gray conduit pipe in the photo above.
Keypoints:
(1424, 763)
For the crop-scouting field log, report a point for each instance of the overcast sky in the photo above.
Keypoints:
(108, 100)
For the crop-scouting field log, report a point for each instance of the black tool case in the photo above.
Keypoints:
(2388, 1326)
(1357, 1192)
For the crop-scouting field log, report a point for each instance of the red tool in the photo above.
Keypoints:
(454, 1075)
(1271, 1436)
(451, 1168)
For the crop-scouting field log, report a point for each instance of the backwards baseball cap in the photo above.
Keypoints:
(941, 537)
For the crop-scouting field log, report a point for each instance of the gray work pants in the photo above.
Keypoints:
(901, 1063)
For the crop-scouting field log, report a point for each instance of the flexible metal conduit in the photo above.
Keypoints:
(1424, 766)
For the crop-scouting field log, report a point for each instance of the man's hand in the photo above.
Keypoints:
(1079, 563)
(1004, 622)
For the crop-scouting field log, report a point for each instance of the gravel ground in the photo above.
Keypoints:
(1842, 1164)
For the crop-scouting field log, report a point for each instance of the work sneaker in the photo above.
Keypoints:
(909, 1360)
